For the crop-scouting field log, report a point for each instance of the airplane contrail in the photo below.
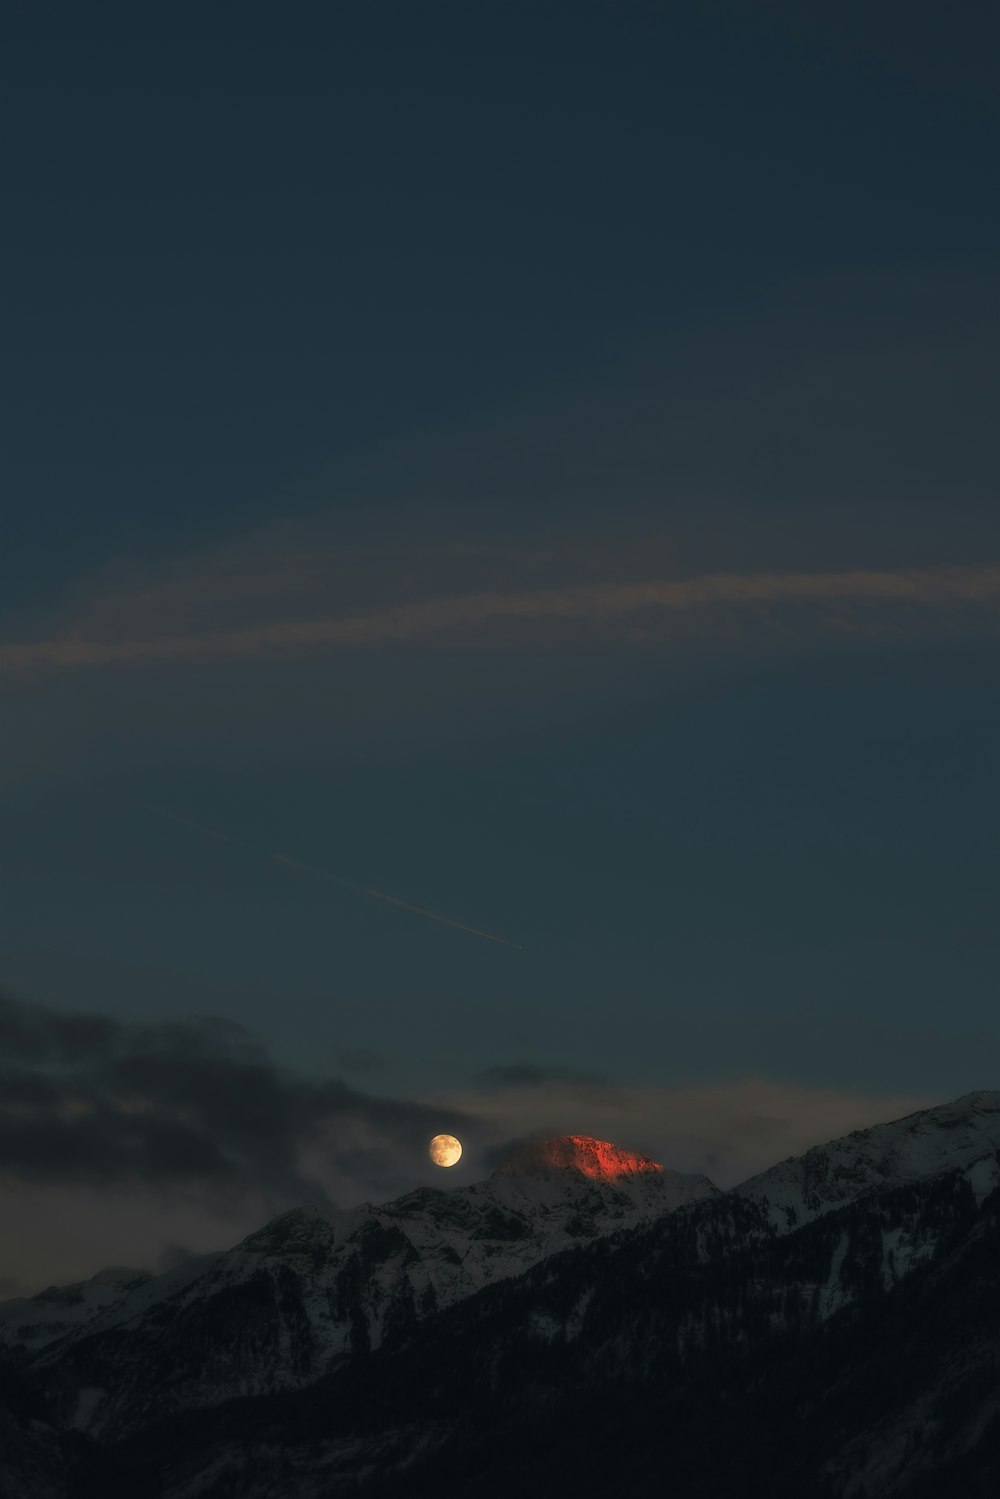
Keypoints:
(338, 879)
(393, 900)
(189, 822)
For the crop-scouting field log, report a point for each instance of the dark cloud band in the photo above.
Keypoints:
(90, 1099)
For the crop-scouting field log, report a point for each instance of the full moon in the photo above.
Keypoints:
(445, 1150)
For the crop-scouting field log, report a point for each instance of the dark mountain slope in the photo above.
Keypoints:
(896, 1395)
(703, 1356)
(32, 1455)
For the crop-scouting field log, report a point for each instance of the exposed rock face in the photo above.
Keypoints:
(598, 1159)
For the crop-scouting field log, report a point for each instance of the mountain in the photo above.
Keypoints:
(828, 1330)
(953, 1135)
(277, 1310)
(32, 1322)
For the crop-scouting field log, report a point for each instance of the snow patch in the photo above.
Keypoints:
(87, 1402)
(984, 1178)
(832, 1295)
(577, 1317)
(901, 1253)
(545, 1328)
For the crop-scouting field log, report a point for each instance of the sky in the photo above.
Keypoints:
(535, 463)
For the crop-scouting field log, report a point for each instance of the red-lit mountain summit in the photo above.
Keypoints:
(598, 1159)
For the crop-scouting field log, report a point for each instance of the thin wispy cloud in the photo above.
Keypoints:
(929, 590)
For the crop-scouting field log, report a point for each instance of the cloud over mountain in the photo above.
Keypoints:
(188, 1125)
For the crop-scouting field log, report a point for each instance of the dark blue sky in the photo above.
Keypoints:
(464, 323)
(241, 249)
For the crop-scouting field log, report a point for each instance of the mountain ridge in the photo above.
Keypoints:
(306, 1290)
(813, 1254)
(961, 1132)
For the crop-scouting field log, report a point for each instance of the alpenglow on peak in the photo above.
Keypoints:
(598, 1159)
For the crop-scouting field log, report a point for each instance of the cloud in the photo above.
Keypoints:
(173, 1255)
(358, 1061)
(527, 1075)
(192, 1111)
(930, 589)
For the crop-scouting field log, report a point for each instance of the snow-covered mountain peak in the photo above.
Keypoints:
(599, 1160)
(300, 1228)
(571, 1175)
(59, 1310)
(948, 1137)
